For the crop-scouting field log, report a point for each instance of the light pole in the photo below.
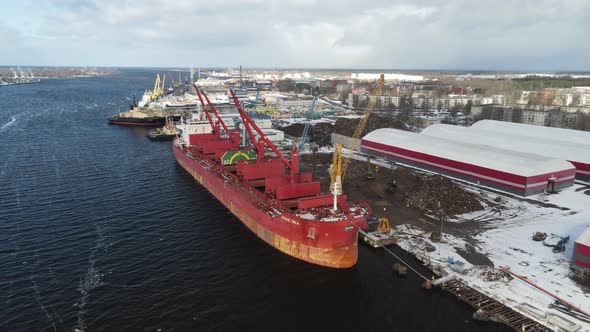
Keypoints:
(442, 220)
(441, 217)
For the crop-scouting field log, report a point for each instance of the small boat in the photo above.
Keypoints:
(166, 133)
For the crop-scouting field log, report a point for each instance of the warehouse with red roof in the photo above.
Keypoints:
(581, 256)
(510, 171)
(562, 147)
(541, 132)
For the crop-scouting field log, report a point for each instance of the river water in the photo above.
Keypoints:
(101, 230)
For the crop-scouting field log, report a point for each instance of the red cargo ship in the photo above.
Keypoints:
(268, 194)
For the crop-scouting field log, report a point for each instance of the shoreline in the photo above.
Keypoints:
(499, 235)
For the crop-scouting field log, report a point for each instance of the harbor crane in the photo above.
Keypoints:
(175, 84)
(336, 175)
(255, 102)
(363, 122)
(158, 90)
(305, 136)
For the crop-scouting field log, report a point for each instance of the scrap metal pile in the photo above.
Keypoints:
(318, 133)
(317, 158)
(490, 274)
(346, 127)
(435, 194)
(430, 193)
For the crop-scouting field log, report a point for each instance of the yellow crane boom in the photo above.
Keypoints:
(156, 83)
(174, 84)
(363, 122)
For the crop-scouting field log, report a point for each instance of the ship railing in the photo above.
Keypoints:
(363, 205)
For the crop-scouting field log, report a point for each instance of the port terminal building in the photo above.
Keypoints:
(510, 171)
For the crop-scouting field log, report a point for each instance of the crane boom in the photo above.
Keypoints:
(305, 137)
(249, 123)
(363, 122)
(174, 84)
(157, 83)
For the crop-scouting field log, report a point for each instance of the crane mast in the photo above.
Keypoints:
(363, 122)
(305, 136)
(156, 83)
(336, 174)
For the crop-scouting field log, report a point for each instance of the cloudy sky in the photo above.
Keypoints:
(430, 34)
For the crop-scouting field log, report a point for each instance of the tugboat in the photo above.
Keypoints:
(166, 133)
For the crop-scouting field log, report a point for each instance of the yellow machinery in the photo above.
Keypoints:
(158, 90)
(175, 84)
(361, 126)
(336, 174)
(161, 88)
(383, 226)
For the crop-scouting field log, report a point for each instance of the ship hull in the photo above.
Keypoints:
(330, 244)
(160, 137)
(137, 122)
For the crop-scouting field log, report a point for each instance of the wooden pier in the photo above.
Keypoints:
(489, 307)
(378, 239)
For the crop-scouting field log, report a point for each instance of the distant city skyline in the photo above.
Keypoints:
(452, 35)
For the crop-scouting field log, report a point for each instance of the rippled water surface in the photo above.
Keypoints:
(101, 230)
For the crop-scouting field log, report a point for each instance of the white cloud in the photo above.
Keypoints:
(396, 11)
(524, 34)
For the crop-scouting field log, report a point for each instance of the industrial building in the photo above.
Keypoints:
(539, 132)
(520, 141)
(581, 256)
(510, 171)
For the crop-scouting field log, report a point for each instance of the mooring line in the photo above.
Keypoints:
(396, 256)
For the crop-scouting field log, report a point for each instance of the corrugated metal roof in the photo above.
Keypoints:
(542, 147)
(540, 132)
(584, 238)
(518, 163)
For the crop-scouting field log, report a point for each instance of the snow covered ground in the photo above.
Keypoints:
(504, 236)
(502, 232)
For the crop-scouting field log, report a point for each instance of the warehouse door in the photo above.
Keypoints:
(551, 185)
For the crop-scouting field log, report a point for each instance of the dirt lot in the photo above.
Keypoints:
(412, 203)
(433, 194)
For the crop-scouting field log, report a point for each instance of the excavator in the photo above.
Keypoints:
(383, 226)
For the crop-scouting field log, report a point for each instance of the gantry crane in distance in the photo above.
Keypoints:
(363, 122)
(158, 90)
(255, 103)
(175, 84)
(305, 137)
